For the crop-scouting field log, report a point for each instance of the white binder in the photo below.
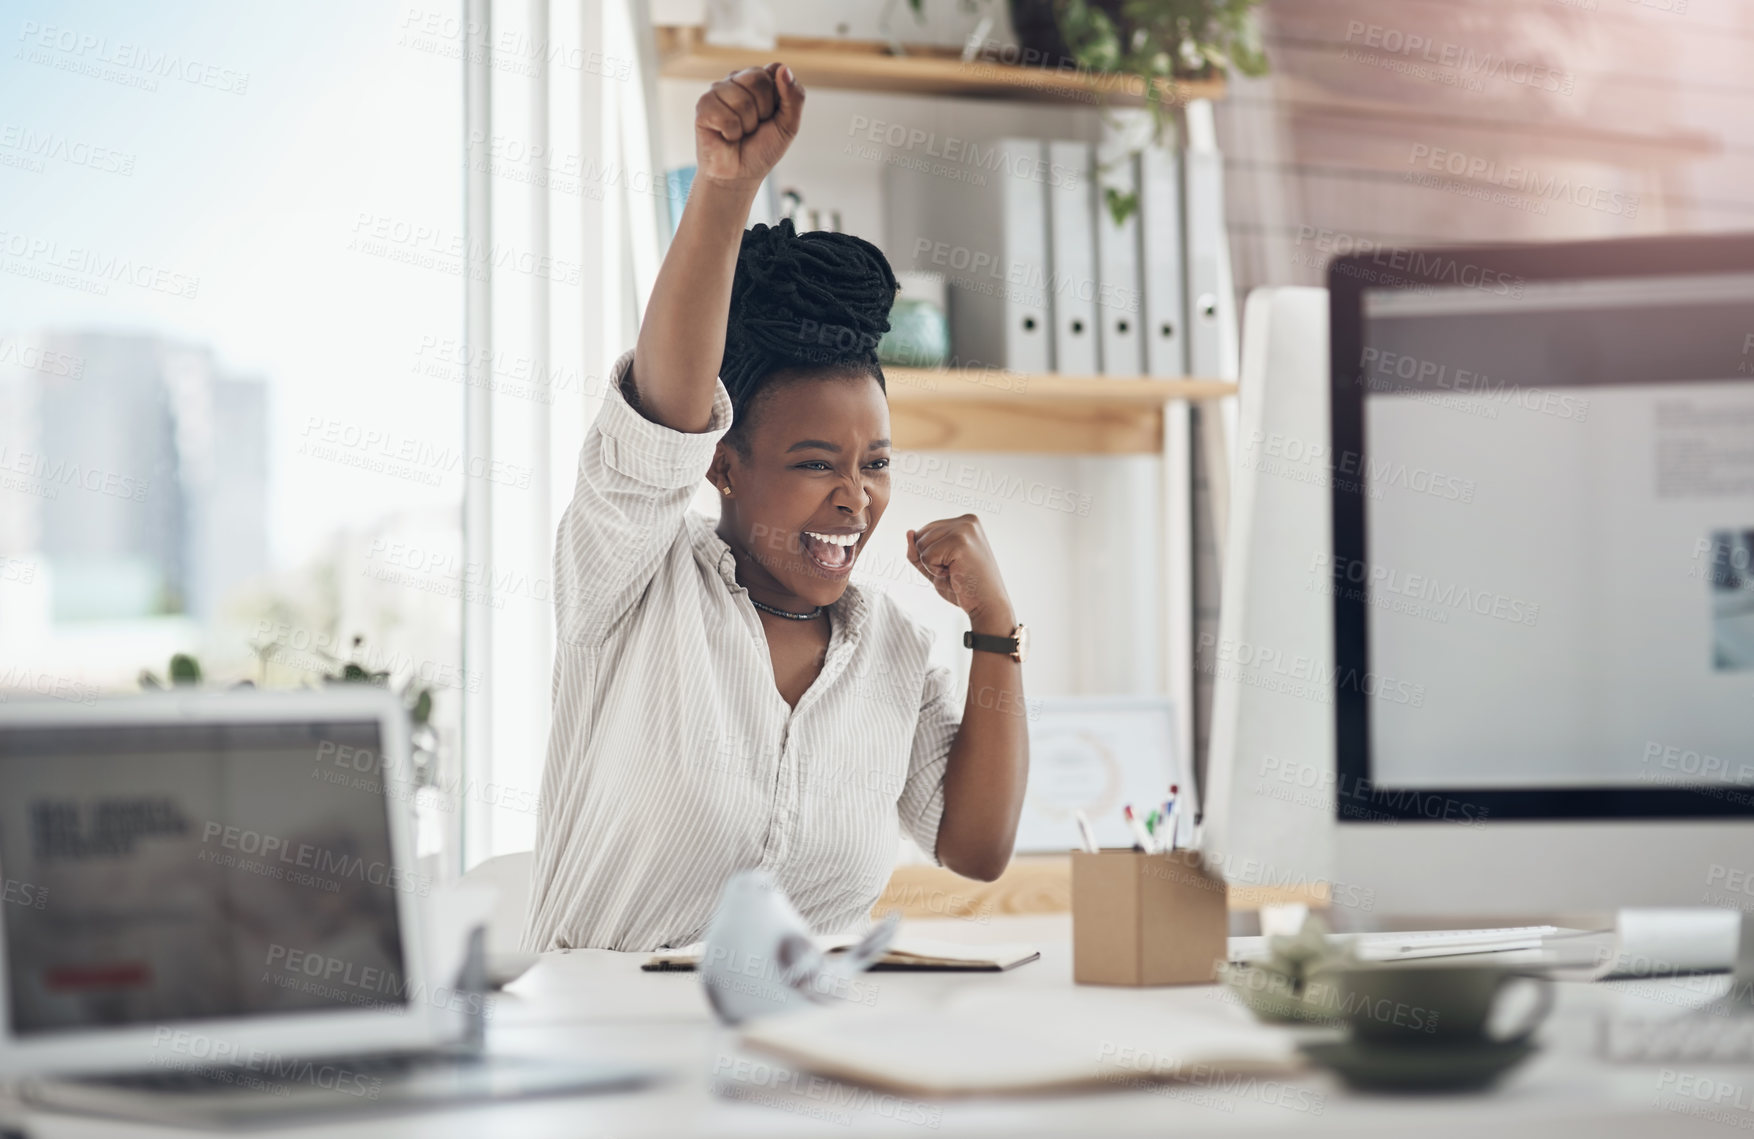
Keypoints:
(989, 240)
(1119, 309)
(1072, 223)
(1161, 264)
(1211, 316)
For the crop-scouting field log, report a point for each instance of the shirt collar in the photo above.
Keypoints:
(850, 611)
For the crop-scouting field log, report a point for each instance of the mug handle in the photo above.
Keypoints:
(1543, 1006)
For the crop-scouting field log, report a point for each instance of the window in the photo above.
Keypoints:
(231, 347)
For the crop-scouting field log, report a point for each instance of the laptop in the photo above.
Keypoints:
(210, 916)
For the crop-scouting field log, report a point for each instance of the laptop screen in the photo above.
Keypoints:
(162, 873)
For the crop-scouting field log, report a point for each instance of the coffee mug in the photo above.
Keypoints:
(1430, 1004)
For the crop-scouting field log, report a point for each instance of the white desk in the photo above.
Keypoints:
(600, 1003)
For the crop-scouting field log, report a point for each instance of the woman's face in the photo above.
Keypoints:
(807, 496)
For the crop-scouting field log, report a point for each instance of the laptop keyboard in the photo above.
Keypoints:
(218, 1078)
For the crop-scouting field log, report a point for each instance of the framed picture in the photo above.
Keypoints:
(1096, 754)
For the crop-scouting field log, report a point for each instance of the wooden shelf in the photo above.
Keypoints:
(867, 66)
(939, 409)
(978, 410)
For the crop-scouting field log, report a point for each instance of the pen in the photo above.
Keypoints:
(1085, 834)
(1169, 811)
(1140, 834)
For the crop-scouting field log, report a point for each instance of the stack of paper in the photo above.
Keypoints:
(1020, 1046)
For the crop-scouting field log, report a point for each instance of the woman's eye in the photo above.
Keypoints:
(824, 465)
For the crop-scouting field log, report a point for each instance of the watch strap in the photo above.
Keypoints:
(988, 643)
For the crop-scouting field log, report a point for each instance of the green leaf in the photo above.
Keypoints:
(422, 710)
(1160, 40)
(1120, 206)
(351, 671)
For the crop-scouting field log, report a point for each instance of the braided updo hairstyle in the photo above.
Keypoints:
(802, 300)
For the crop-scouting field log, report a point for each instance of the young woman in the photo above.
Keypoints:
(724, 697)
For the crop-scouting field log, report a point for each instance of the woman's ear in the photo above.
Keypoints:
(719, 472)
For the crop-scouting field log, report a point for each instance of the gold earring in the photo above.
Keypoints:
(727, 491)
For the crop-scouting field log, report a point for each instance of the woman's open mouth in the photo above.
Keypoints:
(832, 554)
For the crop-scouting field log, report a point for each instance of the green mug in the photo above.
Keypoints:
(1417, 1004)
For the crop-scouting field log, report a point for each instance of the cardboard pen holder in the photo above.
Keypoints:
(1147, 919)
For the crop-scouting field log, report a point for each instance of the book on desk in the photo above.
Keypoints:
(911, 954)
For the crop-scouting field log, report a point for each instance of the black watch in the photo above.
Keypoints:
(1016, 646)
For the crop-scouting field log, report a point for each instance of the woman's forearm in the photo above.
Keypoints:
(742, 125)
(682, 338)
(988, 770)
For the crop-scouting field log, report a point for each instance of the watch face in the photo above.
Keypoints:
(1022, 635)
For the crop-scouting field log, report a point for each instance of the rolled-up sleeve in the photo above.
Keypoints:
(635, 480)
(922, 797)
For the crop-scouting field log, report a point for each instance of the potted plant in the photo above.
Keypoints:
(185, 671)
(1158, 41)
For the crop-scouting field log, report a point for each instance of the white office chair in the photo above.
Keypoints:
(508, 876)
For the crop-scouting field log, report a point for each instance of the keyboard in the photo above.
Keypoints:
(198, 1079)
(1450, 942)
(1420, 943)
(283, 1090)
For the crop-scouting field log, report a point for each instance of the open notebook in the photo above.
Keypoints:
(905, 952)
(1004, 1048)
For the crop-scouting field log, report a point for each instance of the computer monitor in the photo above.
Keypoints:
(1542, 490)
(1268, 817)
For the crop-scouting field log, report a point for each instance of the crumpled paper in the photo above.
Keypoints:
(759, 959)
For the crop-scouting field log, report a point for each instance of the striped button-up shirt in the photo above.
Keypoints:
(673, 760)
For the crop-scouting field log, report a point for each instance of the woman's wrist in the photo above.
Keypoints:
(995, 620)
(713, 220)
(721, 203)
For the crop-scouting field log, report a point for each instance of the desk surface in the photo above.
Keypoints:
(597, 1003)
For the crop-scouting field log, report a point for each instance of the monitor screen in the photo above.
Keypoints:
(1557, 487)
(169, 872)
